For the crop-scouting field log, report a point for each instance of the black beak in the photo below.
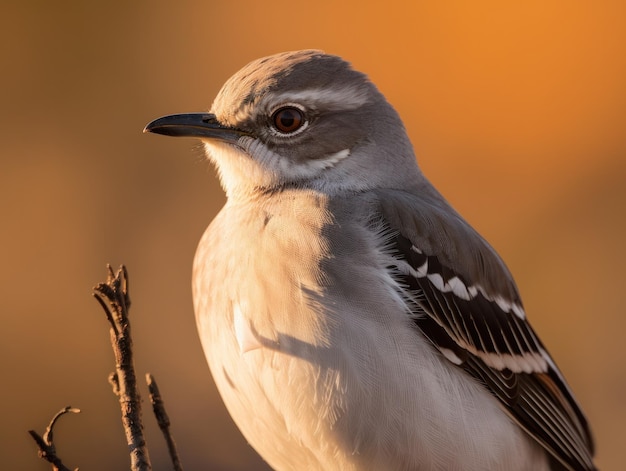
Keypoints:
(200, 125)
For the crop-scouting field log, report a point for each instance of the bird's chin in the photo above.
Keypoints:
(239, 173)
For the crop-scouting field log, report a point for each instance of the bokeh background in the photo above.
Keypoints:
(517, 111)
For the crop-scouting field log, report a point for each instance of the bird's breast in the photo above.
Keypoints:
(258, 286)
(257, 267)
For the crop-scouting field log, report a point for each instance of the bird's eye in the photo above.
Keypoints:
(288, 119)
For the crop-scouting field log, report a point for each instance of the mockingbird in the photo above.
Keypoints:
(352, 320)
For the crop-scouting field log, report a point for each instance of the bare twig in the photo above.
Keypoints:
(163, 420)
(114, 299)
(47, 450)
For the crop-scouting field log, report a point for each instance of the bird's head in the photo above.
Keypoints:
(300, 119)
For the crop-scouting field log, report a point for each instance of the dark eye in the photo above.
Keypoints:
(288, 119)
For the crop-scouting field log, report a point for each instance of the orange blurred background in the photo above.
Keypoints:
(517, 111)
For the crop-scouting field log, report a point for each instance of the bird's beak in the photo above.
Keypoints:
(200, 125)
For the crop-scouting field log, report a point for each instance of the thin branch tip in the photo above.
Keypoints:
(45, 445)
(163, 420)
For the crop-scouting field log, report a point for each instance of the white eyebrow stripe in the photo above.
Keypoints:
(345, 98)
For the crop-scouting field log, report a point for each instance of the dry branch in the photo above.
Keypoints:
(47, 450)
(163, 420)
(114, 299)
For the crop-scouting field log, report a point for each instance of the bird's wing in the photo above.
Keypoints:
(467, 304)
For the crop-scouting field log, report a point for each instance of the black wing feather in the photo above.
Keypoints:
(479, 332)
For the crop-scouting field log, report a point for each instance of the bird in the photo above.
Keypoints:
(351, 318)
